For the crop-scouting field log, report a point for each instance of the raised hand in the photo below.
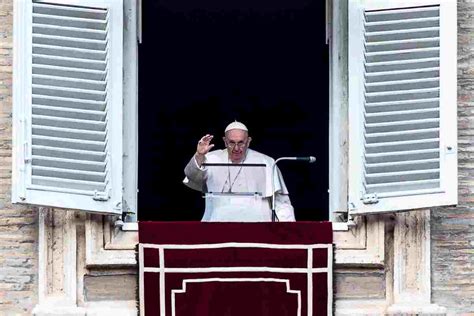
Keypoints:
(203, 147)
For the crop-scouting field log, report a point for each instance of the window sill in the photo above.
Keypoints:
(340, 227)
(133, 226)
(343, 226)
(130, 227)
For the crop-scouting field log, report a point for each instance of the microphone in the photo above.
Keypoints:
(309, 159)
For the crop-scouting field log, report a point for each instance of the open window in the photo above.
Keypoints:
(205, 64)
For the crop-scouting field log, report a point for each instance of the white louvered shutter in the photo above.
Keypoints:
(402, 103)
(68, 104)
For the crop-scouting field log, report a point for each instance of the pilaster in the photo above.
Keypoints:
(411, 265)
(57, 249)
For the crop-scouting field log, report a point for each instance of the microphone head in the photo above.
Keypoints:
(309, 159)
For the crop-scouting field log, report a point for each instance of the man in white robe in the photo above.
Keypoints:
(238, 179)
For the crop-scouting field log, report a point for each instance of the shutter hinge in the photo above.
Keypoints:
(26, 152)
(126, 208)
(101, 196)
(370, 198)
(26, 145)
(118, 206)
(351, 206)
(350, 221)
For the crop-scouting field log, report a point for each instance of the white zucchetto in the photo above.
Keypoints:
(236, 125)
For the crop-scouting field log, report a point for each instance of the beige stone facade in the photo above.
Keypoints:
(71, 263)
(18, 224)
(452, 229)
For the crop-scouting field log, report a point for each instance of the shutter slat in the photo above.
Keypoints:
(392, 116)
(402, 156)
(71, 52)
(67, 153)
(375, 97)
(81, 84)
(68, 164)
(68, 113)
(430, 133)
(402, 34)
(68, 133)
(401, 126)
(402, 54)
(402, 44)
(68, 174)
(403, 85)
(98, 45)
(69, 21)
(402, 64)
(70, 11)
(68, 103)
(383, 76)
(74, 32)
(402, 24)
(65, 184)
(397, 14)
(69, 62)
(394, 189)
(399, 94)
(400, 166)
(52, 121)
(61, 71)
(413, 175)
(86, 145)
(69, 92)
(401, 105)
(405, 145)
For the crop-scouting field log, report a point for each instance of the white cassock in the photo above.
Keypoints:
(237, 179)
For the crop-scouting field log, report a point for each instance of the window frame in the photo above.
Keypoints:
(338, 112)
(131, 38)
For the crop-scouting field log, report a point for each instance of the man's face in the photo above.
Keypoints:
(237, 142)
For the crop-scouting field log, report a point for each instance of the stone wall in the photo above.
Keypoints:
(452, 229)
(18, 224)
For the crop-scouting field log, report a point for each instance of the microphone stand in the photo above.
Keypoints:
(309, 159)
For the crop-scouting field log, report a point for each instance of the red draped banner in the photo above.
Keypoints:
(235, 269)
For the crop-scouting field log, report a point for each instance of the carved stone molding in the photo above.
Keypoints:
(107, 245)
(411, 265)
(363, 243)
(62, 263)
(57, 277)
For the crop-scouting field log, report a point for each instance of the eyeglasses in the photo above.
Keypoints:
(232, 145)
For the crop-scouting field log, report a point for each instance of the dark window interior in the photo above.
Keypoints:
(203, 64)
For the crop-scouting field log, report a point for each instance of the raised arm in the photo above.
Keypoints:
(195, 174)
(203, 147)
